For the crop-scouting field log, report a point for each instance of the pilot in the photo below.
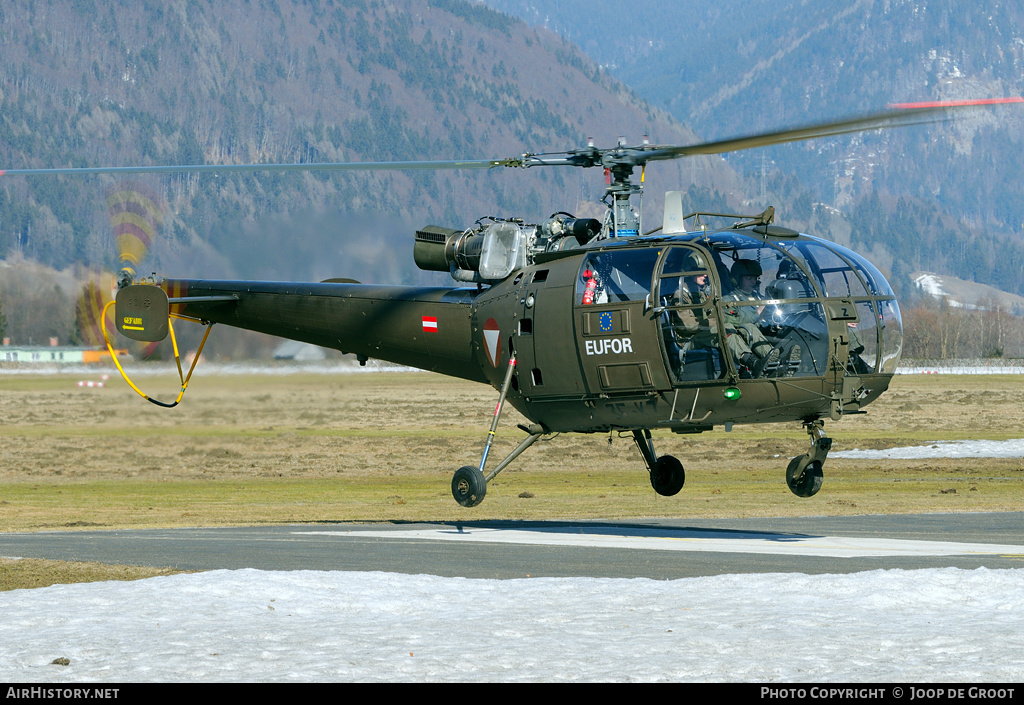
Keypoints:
(789, 284)
(754, 354)
(692, 327)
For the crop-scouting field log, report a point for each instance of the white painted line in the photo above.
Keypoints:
(694, 540)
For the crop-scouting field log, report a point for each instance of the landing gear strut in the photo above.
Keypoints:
(804, 475)
(469, 485)
(667, 474)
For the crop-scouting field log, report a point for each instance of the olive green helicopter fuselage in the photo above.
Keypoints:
(619, 334)
(594, 367)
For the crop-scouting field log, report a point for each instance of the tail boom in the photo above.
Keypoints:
(423, 327)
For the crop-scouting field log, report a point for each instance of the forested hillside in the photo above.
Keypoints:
(90, 83)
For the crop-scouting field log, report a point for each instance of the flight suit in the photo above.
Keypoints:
(742, 333)
(691, 326)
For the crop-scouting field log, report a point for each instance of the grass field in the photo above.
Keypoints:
(381, 447)
(378, 447)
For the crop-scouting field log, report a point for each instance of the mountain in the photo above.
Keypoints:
(737, 67)
(88, 83)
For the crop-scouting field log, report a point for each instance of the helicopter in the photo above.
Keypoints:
(594, 326)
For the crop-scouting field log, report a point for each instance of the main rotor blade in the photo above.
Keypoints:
(227, 168)
(902, 115)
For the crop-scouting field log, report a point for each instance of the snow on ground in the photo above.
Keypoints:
(930, 284)
(248, 625)
(1013, 448)
(961, 369)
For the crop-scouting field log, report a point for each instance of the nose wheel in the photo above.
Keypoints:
(667, 474)
(804, 474)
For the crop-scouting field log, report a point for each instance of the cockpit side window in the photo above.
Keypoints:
(876, 283)
(689, 326)
(774, 327)
(616, 275)
(834, 274)
(892, 335)
(738, 257)
(863, 337)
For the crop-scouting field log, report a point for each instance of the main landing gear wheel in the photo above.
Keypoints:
(668, 476)
(804, 476)
(469, 486)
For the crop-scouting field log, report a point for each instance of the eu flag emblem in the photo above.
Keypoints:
(604, 321)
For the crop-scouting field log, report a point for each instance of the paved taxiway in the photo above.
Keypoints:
(669, 548)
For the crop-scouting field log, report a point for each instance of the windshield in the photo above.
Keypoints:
(777, 292)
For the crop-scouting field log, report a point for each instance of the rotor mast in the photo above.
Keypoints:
(625, 221)
(622, 220)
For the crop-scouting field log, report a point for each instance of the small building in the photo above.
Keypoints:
(57, 354)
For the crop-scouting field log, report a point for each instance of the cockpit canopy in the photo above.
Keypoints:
(785, 290)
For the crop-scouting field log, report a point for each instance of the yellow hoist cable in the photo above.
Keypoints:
(177, 359)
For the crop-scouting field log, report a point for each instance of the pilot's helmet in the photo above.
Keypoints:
(789, 270)
(681, 259)
(744, 268)
(788, 289)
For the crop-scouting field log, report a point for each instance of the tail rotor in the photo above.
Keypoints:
(135, 219)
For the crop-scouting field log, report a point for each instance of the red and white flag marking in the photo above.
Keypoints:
(430, 324)
(492, 338)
